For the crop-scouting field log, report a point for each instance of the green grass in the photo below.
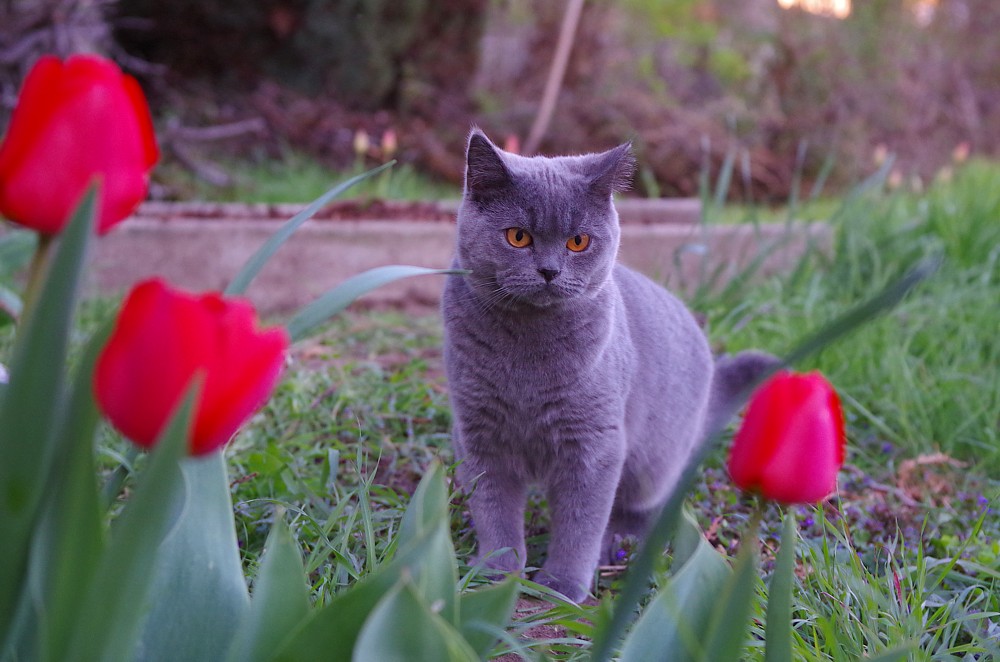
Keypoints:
(298, 178)
(906, 555)
(925, 375)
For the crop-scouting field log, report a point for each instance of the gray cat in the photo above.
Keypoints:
(567, 369)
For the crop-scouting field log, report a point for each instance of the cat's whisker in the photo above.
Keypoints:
(493, 298)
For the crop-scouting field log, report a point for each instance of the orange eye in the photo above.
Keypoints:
(578, 243)
(518, 237)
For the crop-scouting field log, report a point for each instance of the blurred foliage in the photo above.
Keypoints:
(367, 53)
(693, 80)
(796, 97)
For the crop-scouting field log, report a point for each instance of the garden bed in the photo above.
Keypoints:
(202, 245)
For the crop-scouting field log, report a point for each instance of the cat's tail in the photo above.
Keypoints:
(732, 377)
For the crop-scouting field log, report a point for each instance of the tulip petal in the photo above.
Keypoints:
(803, 467)
(153, 354)
(38, 100)
(247, 364)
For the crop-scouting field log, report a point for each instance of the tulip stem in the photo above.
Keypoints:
(36, 274)
(756, 517)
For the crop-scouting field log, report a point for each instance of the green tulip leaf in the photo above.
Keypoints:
(201, 594)
(16, 247)
(484, 614)
(111, 612)
(70, 536)
(730, 618)
(404, 627)
(341, 296)
(678, 617)
(427, 506)
(10, 306)
(427, 512)
(33, 400)
(332, 632)
(280, 599)
(687, 539)
(778, 630)
(257, 261)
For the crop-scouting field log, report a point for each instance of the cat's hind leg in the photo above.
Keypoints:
(626, 529)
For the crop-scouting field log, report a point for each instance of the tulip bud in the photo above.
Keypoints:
(389, 143)
(961, 152)
(162, 339)
(361, 143)
(74, 122)
(512, 144)
(790, 444)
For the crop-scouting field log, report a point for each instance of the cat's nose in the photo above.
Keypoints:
(549, 274)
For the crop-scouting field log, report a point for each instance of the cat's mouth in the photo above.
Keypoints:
(542, 294)
(520, 291)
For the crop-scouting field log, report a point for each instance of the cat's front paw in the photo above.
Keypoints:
(573, 590)
(501, 562)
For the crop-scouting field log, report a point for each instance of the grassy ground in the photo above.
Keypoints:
(906, 553)
(296, 178)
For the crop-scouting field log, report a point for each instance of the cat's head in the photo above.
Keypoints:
(539, 231)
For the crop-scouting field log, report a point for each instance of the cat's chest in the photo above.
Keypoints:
(526, 374)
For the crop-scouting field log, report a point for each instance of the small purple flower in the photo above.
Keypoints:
(808, 521)
(621, 554)
(887, 448)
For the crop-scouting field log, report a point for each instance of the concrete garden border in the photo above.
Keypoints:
(201, 246)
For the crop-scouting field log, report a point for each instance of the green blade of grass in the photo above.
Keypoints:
(730, 617)
(257, 261)
(331, 632)
(854, 318)
(725, 177)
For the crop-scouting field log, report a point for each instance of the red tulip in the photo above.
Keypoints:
(790, 445)
(163, 338)
(74, 121)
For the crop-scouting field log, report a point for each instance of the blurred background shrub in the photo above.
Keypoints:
(789, 92)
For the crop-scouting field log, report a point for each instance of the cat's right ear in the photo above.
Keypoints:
(486, 174)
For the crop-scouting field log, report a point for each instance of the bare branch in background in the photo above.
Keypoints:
(567, 33)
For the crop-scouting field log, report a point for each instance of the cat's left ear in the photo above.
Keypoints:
(611, 171)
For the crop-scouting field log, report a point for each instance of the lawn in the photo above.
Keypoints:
(905, 557)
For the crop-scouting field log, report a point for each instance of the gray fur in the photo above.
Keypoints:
(567, 370)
